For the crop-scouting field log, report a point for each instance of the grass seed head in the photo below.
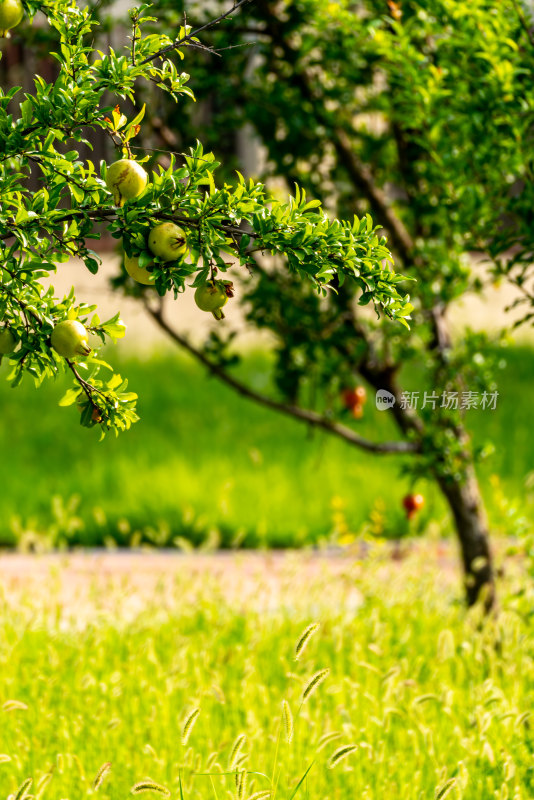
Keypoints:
(314, 682)
(305, 638)
(101, 774)
(149, 786)
(340, 753)
(236, 751)
(287, 717)
(188, 725)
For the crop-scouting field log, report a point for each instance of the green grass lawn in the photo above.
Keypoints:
(207, 465)
(429, 699)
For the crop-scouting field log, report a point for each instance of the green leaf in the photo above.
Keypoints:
(299, 784)
(70, 397)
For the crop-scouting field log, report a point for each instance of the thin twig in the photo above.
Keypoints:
(87, 387)
(190, 36)
(523, 21)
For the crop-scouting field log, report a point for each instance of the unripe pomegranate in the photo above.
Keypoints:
(11, 13)
(126, 179)
(69, 339)
(7, 342)
(212, 297)
(139, 274)
(167, 241)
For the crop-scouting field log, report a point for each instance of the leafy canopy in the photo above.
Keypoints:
(42, 228)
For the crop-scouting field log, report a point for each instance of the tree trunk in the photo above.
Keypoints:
(467, 509)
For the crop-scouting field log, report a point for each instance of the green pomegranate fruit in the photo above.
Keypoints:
(69, 339)
(126, 179)
(11, 13)
(139, 274)
(7, 342)
(211, 297)
(167, 241)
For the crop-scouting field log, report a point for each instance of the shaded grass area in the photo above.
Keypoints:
(404, 695)
(206, 465)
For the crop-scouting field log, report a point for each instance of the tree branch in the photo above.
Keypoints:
(190, 36)
(523, 21)
(302, 414)
(104, 215)
(88, 388)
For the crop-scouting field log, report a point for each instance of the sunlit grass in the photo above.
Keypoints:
(112, 673)
(204, 464)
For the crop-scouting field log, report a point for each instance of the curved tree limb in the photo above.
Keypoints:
(304, 415)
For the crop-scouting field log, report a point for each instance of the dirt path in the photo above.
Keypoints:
(79, 587)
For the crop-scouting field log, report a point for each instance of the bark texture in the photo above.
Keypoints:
(471, 525)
